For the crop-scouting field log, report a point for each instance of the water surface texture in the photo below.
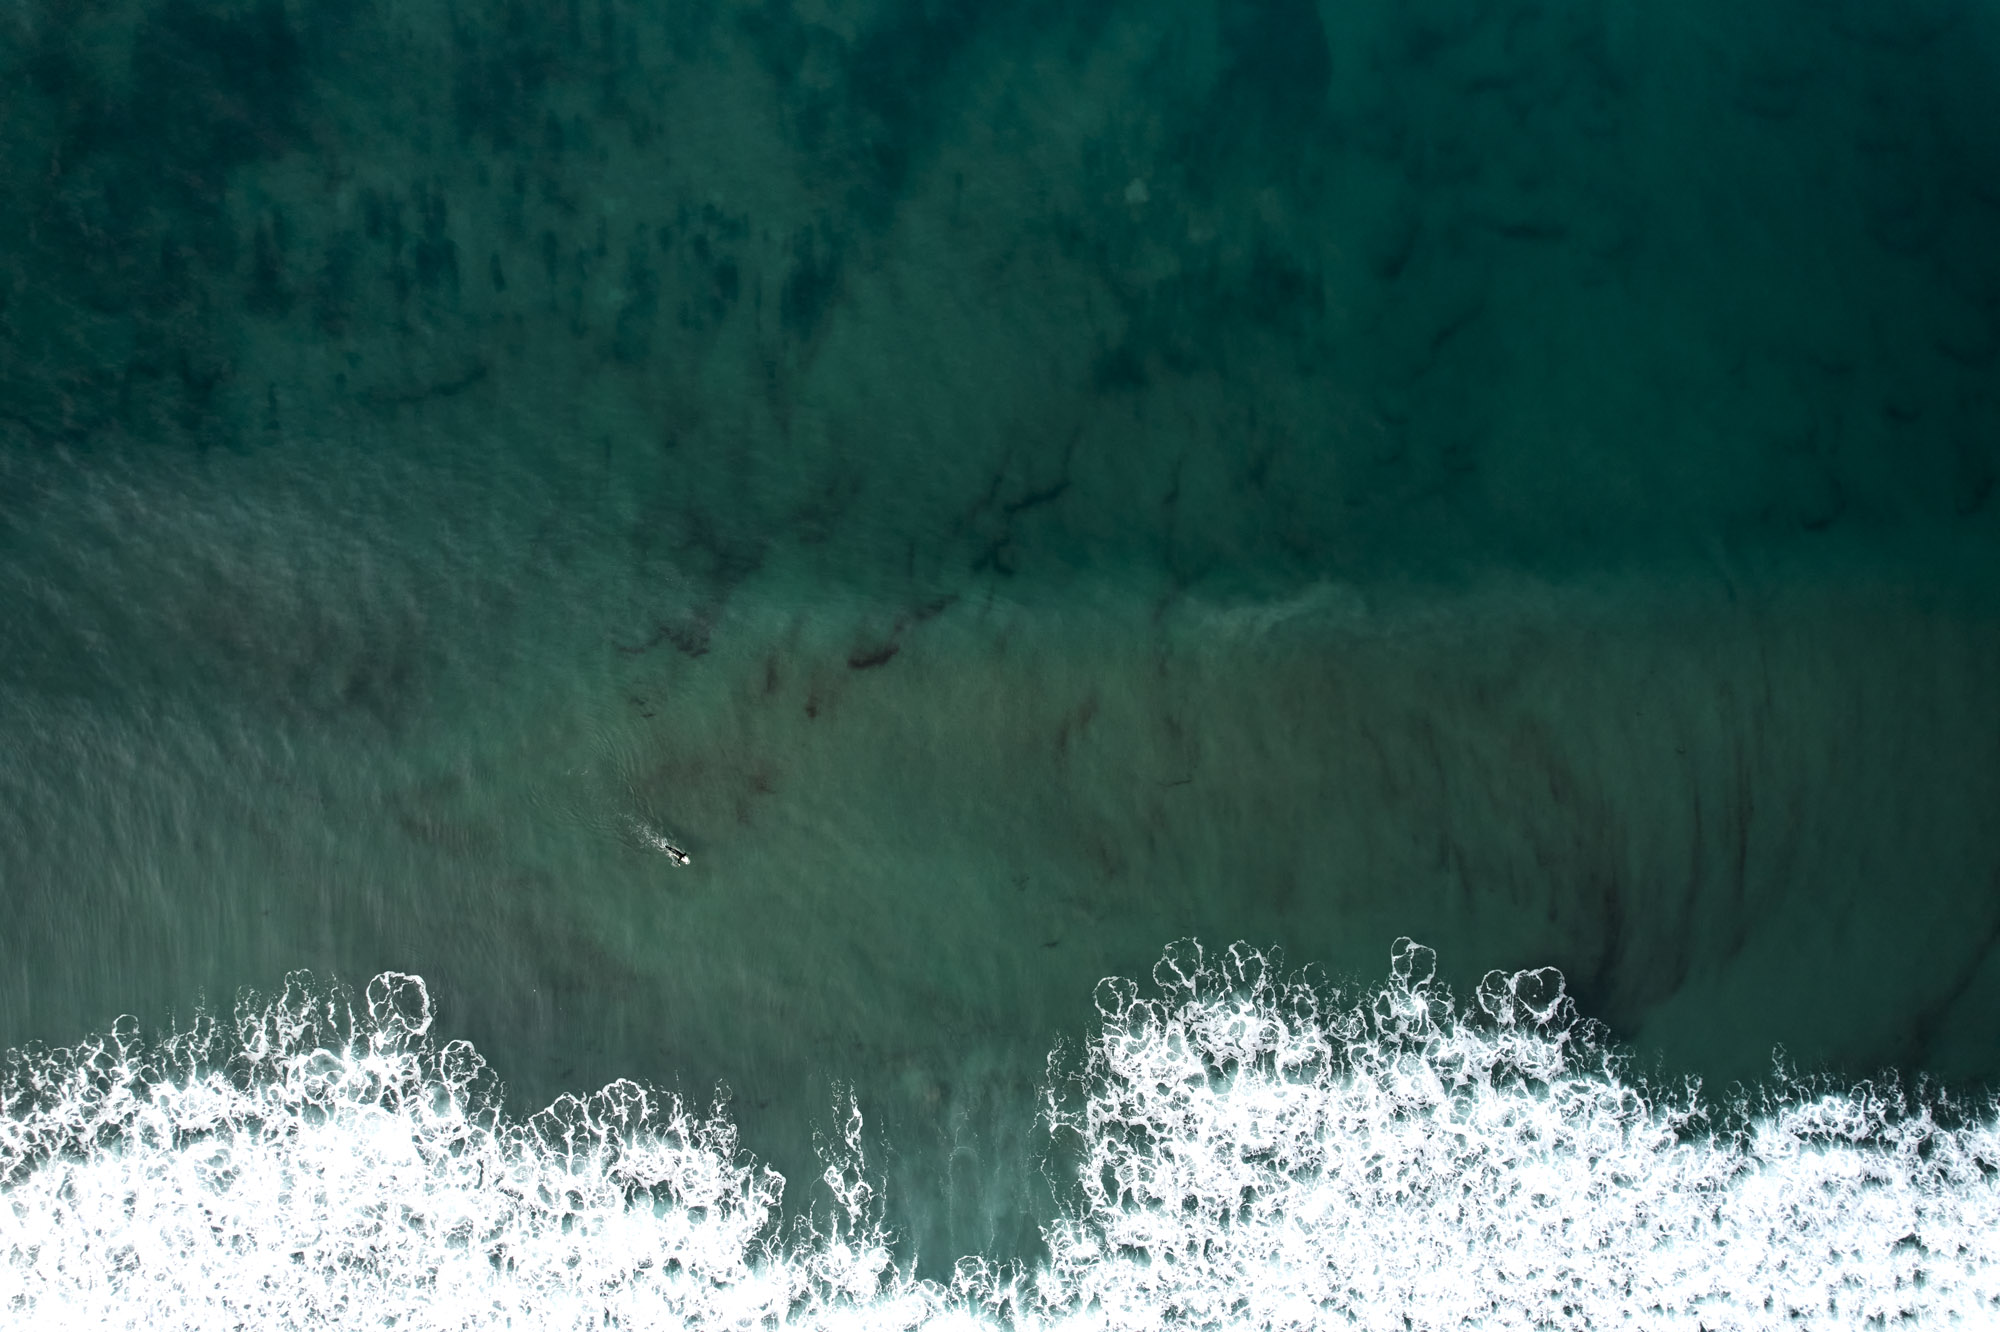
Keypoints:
(999, 488)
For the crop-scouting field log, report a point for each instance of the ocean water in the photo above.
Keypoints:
(613, 615)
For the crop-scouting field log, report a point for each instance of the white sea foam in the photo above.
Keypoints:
(1250, 1150)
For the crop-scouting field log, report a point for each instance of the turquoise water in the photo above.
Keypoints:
(1000, 488)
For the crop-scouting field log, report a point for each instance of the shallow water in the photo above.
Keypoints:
(1000, 487)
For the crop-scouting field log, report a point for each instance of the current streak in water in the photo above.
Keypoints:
(1248, 1149)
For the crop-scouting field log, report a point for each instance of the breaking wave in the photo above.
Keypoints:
(1243, 1148)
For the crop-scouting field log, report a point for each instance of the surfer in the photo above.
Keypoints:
(661, 844)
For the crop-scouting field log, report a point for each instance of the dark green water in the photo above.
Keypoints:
(1004, 486)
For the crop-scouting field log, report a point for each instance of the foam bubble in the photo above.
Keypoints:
(1257, 1153)
(1251, 1150)
(314, 1165)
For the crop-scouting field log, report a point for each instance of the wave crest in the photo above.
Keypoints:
(1257, 1152)
(1251, 1148)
